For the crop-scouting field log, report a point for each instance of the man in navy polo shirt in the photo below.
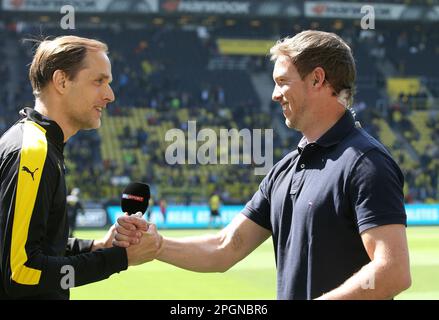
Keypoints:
(334, 206)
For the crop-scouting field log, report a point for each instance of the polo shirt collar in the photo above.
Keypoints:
(338, 131)
(335, 134)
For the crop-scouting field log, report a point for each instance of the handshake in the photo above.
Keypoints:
(140, 238)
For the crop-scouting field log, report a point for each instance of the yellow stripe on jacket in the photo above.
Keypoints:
(32, 158)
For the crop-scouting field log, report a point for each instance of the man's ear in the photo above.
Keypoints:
(318, 76)
(59, 80)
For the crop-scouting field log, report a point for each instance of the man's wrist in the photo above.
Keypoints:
(161, 247)
(97, 244)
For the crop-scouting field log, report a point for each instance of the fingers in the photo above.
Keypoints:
(152, 228)
(153, 231)
(123, 244)
(125, 241)
(129, 233)
(125, 222)
(112, 229)
(128, 230)
(147, 249)
(107, 241)
(132, 222)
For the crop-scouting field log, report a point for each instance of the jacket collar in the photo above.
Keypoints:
(53, 131)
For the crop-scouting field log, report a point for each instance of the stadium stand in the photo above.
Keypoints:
(167, 74)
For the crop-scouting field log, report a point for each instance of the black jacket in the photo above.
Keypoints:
(37, 260)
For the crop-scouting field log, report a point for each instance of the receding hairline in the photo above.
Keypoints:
(87, 56)
(68, 53)
(63, 41)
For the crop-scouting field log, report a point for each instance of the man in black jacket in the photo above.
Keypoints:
(70, 77)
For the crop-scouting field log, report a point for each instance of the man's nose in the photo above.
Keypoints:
(276, 95)
(109, 95)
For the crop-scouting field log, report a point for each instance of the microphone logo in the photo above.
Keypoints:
(132, 197)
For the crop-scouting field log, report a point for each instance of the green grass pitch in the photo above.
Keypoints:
(252, 278)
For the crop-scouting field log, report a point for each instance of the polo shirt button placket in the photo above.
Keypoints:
(297, 180)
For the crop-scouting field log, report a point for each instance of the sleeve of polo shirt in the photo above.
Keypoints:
(376, 191)
(258, 208)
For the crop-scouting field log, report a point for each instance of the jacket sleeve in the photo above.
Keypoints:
(76, 246)
(27, 270)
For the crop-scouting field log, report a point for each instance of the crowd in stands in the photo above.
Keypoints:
(162, 84)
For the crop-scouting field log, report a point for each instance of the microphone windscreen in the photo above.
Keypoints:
(135, 198)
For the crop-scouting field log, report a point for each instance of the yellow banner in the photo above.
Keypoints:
(245, 46)
(395, 86)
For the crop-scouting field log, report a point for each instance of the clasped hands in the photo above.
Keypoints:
(140, 238)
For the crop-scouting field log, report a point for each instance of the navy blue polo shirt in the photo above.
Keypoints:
(316, 202)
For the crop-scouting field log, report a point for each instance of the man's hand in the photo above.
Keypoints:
(106, 241)
(141, 239)
(129, 230)
(147, 249)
